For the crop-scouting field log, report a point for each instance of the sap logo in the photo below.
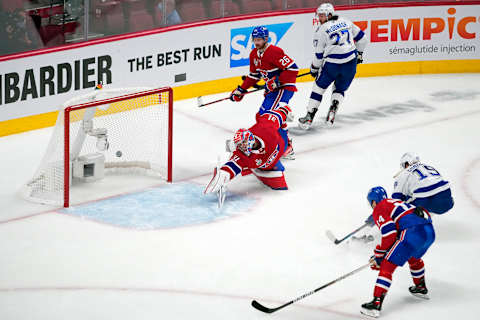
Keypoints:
(241, 42)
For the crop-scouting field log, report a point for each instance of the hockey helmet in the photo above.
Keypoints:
(260, 32)
(244, 141)
(326, 9)
(409, 158)
(376, 194)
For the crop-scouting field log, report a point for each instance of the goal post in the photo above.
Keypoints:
(126, 130)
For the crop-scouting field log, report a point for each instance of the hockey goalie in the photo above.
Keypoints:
(257, 151)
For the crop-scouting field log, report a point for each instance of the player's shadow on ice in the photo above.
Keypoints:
(441, 293)
(317, 127)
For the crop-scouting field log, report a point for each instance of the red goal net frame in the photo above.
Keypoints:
(70, 109)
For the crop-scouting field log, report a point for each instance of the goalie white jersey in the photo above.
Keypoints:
(418, 181)
(337, 41)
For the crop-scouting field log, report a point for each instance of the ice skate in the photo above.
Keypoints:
(332, 112)
(419, 290)
(372, 308)
(306, 122)
(289, 154)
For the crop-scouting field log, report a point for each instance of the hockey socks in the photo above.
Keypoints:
(384, 279)
(417, 270)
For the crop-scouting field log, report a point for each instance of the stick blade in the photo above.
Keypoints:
(199, 102)
(222, 192)
(331, 237)
(260, 307)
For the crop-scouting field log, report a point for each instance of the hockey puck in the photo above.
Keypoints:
(118, 153)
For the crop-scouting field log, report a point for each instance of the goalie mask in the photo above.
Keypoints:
(244, 141)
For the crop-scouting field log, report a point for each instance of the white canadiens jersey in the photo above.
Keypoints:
(418, 181)
(337, 41)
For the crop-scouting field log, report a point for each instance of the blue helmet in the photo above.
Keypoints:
(376, 194)
(260, 32)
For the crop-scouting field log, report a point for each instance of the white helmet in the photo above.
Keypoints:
(409, 158)
(326, 9)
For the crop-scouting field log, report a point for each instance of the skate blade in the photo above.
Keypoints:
(364, 238)
(370, 313)
(289, 156)
(304, 126)
(330, 120)
(290, 117)
(421, 296)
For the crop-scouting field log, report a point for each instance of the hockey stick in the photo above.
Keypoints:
(221, 194)
(201, 104)
(336, 241)
(258, 88)
(262, 308)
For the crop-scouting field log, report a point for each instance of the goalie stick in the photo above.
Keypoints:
(257, 88)
(221, 194)
(262, 308)
(336, 241)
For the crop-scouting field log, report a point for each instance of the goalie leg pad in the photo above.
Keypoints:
(272, 178)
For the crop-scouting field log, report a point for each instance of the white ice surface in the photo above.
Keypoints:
(56, 266)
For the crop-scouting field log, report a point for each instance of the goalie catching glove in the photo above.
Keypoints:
(219, 180)
(237, 94)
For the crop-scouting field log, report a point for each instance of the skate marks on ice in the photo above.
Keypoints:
(368, 115)
(386, 111)
(179, 205)
(449, 95)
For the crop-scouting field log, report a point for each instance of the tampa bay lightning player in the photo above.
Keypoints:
(422, 185)
(338, 46)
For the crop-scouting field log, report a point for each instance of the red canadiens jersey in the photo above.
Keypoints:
(392, 216)
(265, 158)
(273, 63)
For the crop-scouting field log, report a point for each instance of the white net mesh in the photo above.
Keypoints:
(136, 130)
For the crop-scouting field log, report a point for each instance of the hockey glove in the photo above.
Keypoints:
(359, 57)
(314, 71)
(237, 94)
(370, 221)
(220, 179)
(377, 257)
(375, 263)
(419, 212)
(271, 84)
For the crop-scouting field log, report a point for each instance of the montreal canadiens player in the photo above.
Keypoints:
(407, 233)
(258, 151)
(422, 185)
(278, 70)
(338, 48)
